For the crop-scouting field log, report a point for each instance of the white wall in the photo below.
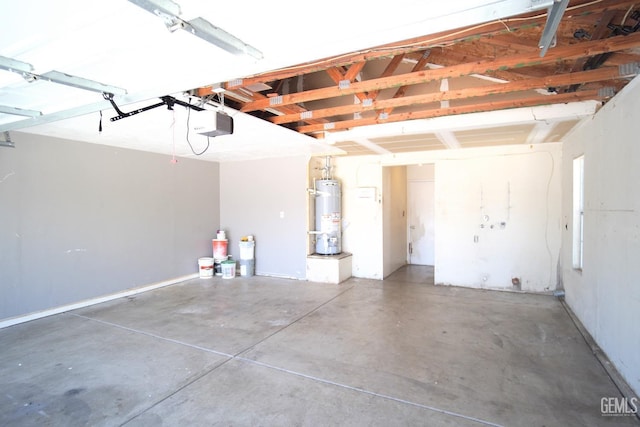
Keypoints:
(362, 216)
(605, 295)
(421, 172)
(498, 218)
(526, 178)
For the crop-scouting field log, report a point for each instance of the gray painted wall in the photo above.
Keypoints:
(79, 220)
(268, 199)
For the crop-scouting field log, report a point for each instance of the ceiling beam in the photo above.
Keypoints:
(587, 48)
(428, 41)
(335, 74)
(512, 42)
(448, 139)
(454, 55)
(402, 90)
(601, 31)
(391, 68)
(540, 132)
(473, 121)
(245, 95)
(606, 73)
(439, 112)
(322, 65)
(622, 58)
(397, 48)
(348, 75)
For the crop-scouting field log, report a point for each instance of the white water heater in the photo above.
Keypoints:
(328, 217)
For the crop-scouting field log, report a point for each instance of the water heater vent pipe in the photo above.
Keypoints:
(326, 170)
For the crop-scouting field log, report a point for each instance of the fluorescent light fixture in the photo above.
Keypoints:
(554, 17)
(170, 12)
(202, 28)
(25, 69)
(80, 83)
(15, 66)
(19, 111)
(167, 7)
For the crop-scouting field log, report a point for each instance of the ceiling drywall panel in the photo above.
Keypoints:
(353, 148)
(507, 135)
(409, 143)
(560, 130)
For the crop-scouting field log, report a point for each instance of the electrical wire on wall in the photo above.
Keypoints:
(546, 226)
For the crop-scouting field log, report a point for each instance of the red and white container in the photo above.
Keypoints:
(205, 266)
(220, 249)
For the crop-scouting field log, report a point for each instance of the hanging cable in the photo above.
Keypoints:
(189, 142)
(173, 137)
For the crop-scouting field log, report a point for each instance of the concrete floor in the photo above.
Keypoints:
(274, 352)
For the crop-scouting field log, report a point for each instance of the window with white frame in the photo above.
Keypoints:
(578, 212)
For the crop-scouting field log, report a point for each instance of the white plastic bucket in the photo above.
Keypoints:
(217, 266)
(247, 267)
(228, 269)
(205, 265)
(247, 250)
(219, 248)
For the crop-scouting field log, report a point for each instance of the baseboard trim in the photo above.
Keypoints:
(616, 377)
(92, 301)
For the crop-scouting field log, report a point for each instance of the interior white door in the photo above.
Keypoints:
(421, 213)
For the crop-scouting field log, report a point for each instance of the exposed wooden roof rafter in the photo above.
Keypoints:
(489, 66)
(439, 112)
(587, 48)
(601, 74)
(496, 28)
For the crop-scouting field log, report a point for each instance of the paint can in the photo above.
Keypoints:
(247, 267)
(217, 266)
(228, 269)
(205, 266)
(247, 249)
(219, 248)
